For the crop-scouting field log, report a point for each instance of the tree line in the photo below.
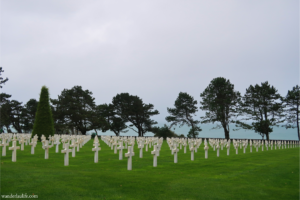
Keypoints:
(260, 109)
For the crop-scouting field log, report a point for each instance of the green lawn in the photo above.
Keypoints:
(272, 174)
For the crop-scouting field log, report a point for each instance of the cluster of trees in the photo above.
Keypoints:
(260, 109)
(75, 110)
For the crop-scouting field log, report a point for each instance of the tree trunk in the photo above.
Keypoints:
(226, 133)
(117, 134)
(268, 137)
(8, 129)
(298, 121)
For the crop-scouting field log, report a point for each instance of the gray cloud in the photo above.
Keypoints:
(153, 49)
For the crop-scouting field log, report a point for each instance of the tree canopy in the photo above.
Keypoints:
(220, 100)
(182, 114)
(31, 109)
(2, 81)
(261, 104)
(76, 108)
(43, 123)
(113, 123)
(291, 103)
(132, 109)
(163, 132)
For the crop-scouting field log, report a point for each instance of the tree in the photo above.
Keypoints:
(76, 108)
(30, 108)
(113, 122)
(163, 132)
(185, 107)
(1, 79)
(291, 102)
(43, 123)
(17, 115)
(12, 113)
(132, 109)
(221, 101)
(58, 113)
(194, 132)
(5, 111)
(260, 104)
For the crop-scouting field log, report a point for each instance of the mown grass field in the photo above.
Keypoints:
(272, 174)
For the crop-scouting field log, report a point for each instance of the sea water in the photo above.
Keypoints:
(279, 133)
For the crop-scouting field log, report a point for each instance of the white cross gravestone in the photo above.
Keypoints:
(141, 146)
(73, 145)
(121, 147)
(66, 151)
(206, 150)
(57, 143)
(228, 147)
(129, 154)
(222, 144)
(196, 146)
(14, 149)
(271, 143)
(175, 151)
(250, 146)
(77, 144)
(22, 142)
(46, 147)
(192, 149)
(115, 146)
(4, 145)
(15, 139)
(81, 142)
(125, 141)
(33, 145)
(155, 153)
(184, 149)
(146, 143)
(158, 148)
(96, 149)
(27, 140)
(171, 147)
(218, 149)
(236, 148)
(43, 139)
(112, 144)
(244, 146)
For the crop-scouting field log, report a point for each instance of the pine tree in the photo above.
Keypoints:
(43, 124)
(220, 100)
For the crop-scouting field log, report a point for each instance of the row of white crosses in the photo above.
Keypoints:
(79, 141)
(46, 144)
(76, 141)
(141, 141)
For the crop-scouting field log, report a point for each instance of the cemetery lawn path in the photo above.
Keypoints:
(272, 174)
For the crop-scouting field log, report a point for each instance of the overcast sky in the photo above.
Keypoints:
(153, 49)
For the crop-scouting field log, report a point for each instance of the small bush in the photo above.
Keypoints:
(93, 135)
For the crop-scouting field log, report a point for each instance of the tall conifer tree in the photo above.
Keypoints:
(43, 124)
